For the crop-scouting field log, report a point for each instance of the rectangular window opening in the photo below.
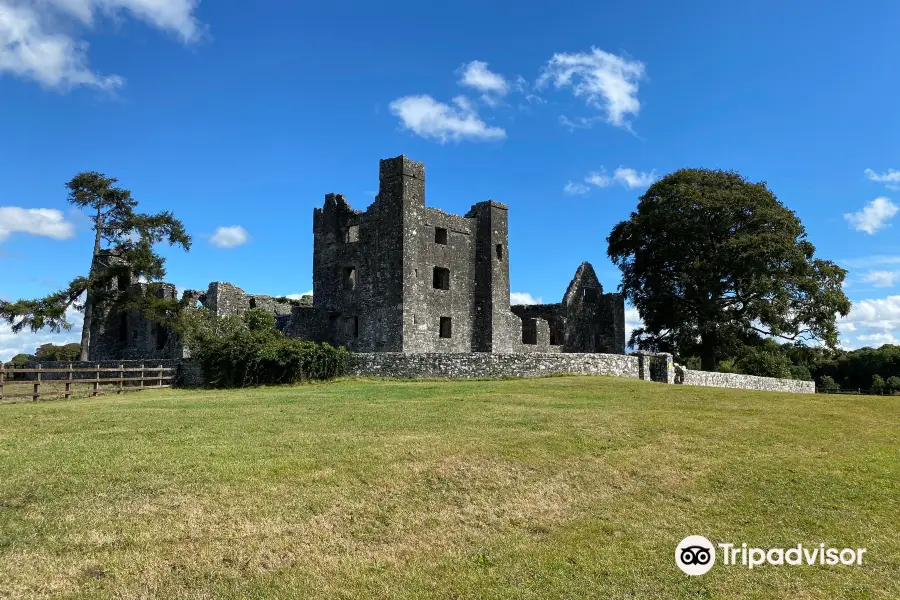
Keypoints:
(349, 278)
(499, 251)
(351, 235)
(440, 235)
(445, 327)
(441, 279)
(356, 327)
(591, 295)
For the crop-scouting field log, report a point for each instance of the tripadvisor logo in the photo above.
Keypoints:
(695, 555)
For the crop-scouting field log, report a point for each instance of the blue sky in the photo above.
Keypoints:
(241, 117)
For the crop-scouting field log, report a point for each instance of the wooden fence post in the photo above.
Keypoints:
(37, 385)
(2, 377)
(69, 383)
(141, 384)
(160, 376)
(96, 381)
(121, 377)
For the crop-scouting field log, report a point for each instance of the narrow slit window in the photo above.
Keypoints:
(440, 235)
(162, 336)
(446, 328)
(498, 250)
(356, 327)
(123, 327)
(441, 279)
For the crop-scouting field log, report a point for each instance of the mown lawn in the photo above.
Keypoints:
(572, 487)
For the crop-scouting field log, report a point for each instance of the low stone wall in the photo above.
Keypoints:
(485, 364)
(748, 382)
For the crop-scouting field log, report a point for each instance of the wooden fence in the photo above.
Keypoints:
(142, 377)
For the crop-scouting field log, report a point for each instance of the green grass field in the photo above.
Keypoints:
(569, 487)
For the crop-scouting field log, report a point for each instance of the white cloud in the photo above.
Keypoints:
(605, 81)
(874, 216)
(47, 222)
(628, 178)
(871, 261)
(632, 321)
(27, 342)
(891, 179)
(428, 118)
(476, 75)
(298, 296)
(871, 321)
(524, 298)
(632, 179)
(576, 189)
(38, 39)
(878, 339)
(598, 179)
(882, 278)
(229, 237)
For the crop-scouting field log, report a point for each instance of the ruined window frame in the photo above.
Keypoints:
(445, 326)
(440, 278)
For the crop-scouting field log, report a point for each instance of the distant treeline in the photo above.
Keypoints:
(875, 369)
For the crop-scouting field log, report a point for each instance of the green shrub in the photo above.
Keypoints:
(237, 352)
(877, 383)
(828, 384)
(892, 384)
(765, 363)
(800, 372)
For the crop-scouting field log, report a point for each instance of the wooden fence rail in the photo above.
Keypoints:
(162, 377)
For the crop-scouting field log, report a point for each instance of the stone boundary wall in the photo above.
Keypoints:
(486, 364)
(748, 382)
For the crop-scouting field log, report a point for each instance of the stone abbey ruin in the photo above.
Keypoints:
(399, 277)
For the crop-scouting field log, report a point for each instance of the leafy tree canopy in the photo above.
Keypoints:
(711, 260)
(118, 227)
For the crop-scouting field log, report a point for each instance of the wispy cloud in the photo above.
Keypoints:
(39, 39)
(882, 278)
(492, 86)
(876, 215)
(626, 177)
(890, 179)
(229, 237)
(632, 179)
(47, 222)
(576, 189)
(607, 82)
(430, 119)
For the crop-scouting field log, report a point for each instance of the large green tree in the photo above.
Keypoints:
(119, 227)
(711, 260)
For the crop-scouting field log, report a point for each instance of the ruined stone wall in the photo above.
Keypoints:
(128, 335)
(439, 241)
(359, 260)
(485, 364)
(551, 313)
(747, 382)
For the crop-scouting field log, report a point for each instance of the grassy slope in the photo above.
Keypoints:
(559, 487)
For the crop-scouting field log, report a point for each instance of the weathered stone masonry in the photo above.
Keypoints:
(417, 292)
(403, 277)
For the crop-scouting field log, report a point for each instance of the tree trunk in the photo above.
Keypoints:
(89, 300)
(708, 350)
